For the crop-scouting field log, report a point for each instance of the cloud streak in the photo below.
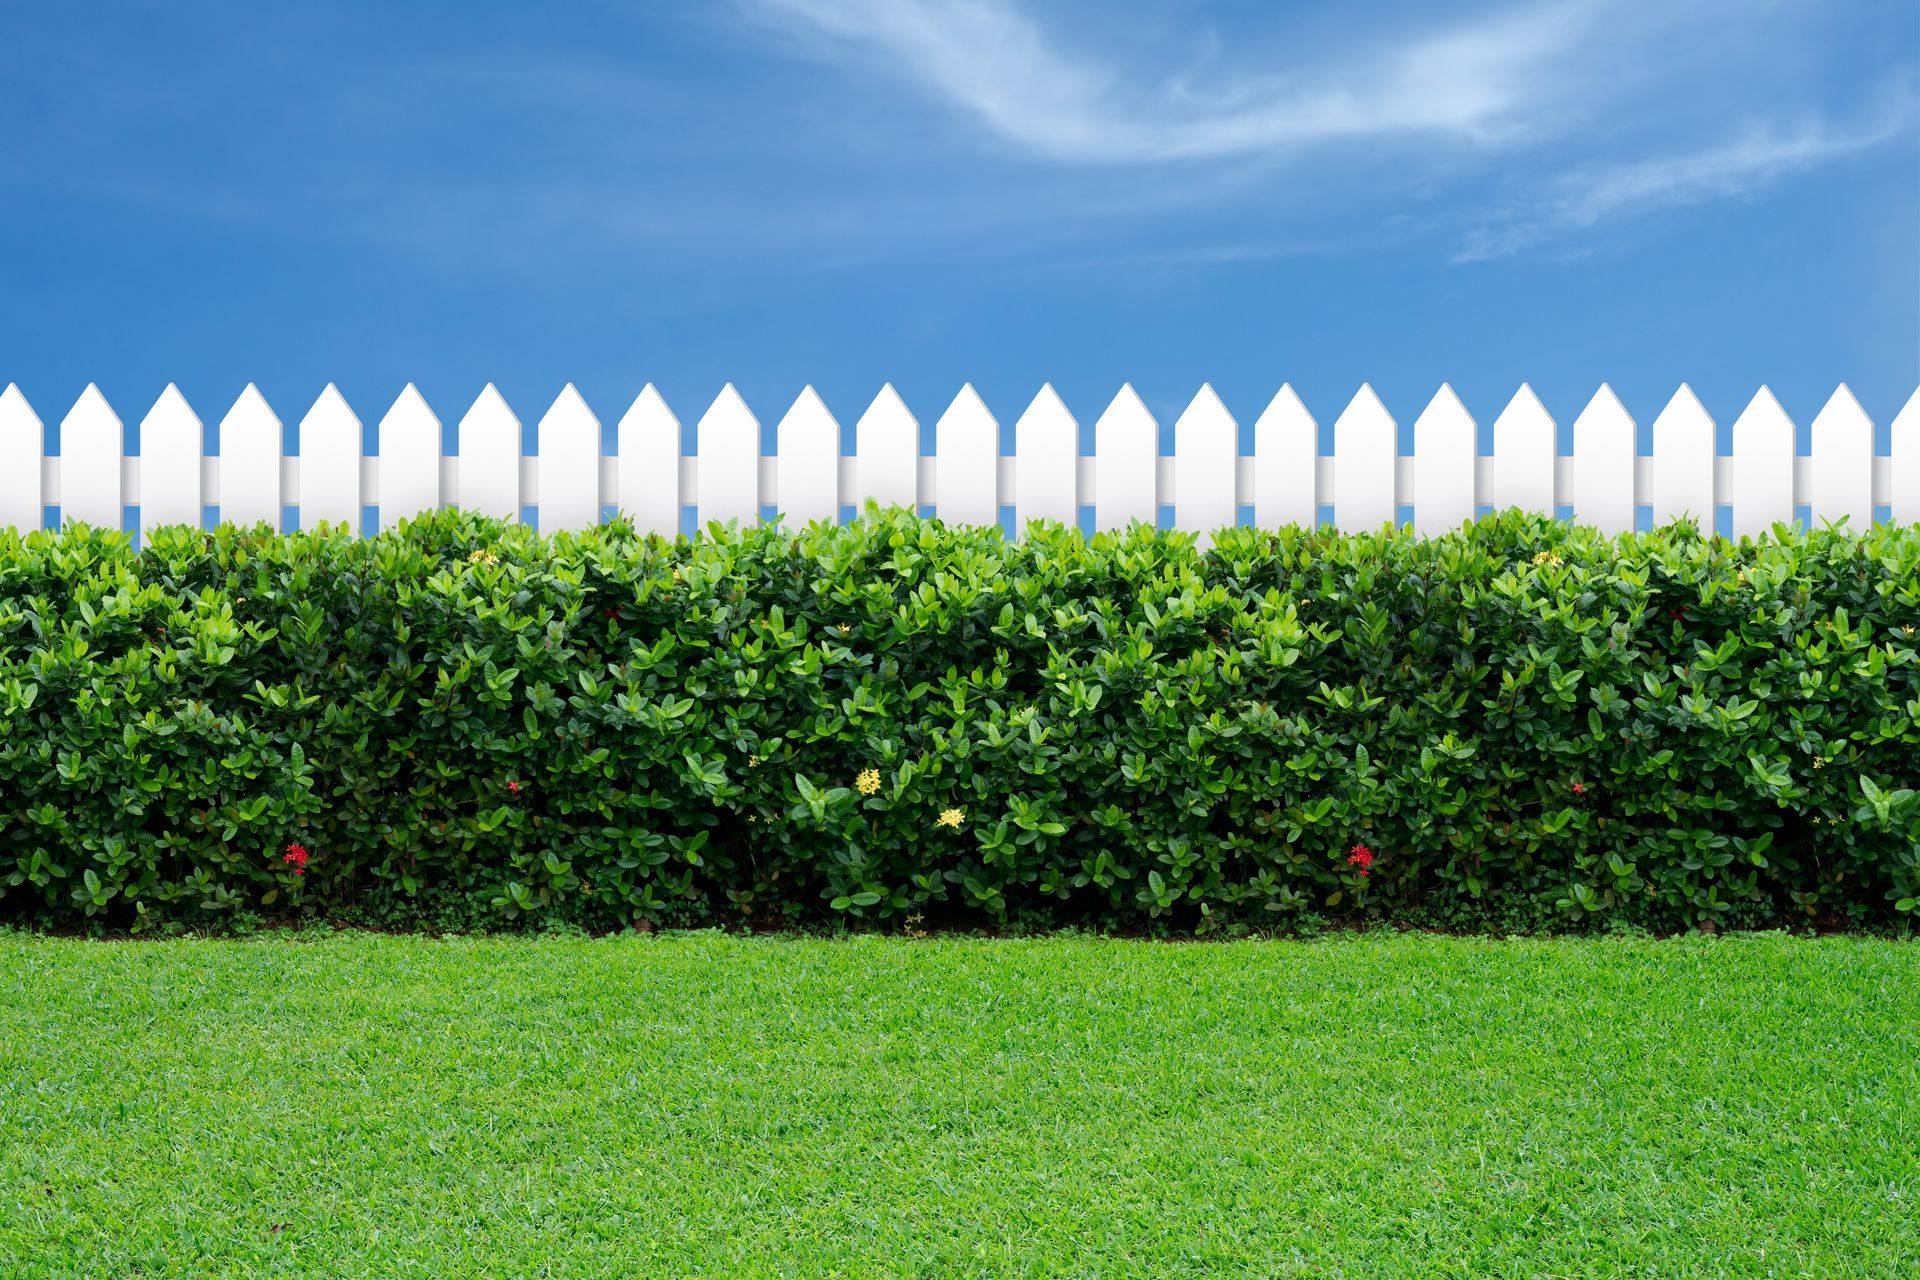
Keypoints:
(1558, 85)
(1475, 83)
(1583, 198)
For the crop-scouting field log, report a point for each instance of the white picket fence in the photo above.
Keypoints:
(1215, 475)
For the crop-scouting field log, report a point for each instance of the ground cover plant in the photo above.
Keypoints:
(460, 722)
(1378, 1105)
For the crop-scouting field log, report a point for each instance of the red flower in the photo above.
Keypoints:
(296, 857)
(1362, 857)
(513, 788)
(1579, 790)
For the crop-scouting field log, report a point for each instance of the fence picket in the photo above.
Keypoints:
(409, 459)
(1603, 453)
(1126, 446)
(1681, 483)
(728, 437)
(808, 466)
(886, 465)
(91, 445)
(649, 446)
(1206, 441)
(1760, 473)
(1046, 442)
(171, 443)
(1904, 465)
(250, 442)
(1365, 447)
(1842, 479)
(1523, 455)
(1445, 440)
(569, 436)
(1286, 451)
(967, 461)
(488, 468)
(330, 463)
(22, 444)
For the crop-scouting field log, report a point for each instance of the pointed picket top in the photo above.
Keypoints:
(1206, 445)
(330, 462)
(1523, 454)
(489, 404)
(91, 445)
(568, 495)
(409, 406)
(1365, 447)
(1445, 442)
(1286, 451)
(488, 464)
(1905, 464)
(171, 443)
(1760, 471)
(728, 443)
(808, 409)
(250, 440)
(1603, 452)
(966, 487)
(1126, 447)
(808, 471)
(886, 467)
(1680, 483)
(249, 406)
(569, 408)
(1046, 443)
(1842, 479)
(22, 446)
(409, 458)
(13, 402)
(648, 440)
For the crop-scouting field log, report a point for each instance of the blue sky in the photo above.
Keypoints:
(848, 192)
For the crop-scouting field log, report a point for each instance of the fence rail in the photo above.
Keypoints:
(570, 471)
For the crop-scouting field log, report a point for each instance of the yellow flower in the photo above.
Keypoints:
(843, 628)
(867, 782)
(1906, 631)
(482, 556)
(753, 762)
(951, 818)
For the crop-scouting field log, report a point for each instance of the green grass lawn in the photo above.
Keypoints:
(366, 1106)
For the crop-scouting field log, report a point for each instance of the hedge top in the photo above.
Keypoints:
(1518, 723)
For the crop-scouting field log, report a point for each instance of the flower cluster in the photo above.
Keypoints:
(951, 818)
(296, 857)
(1362, 857)
(513, 788)
(867, 782)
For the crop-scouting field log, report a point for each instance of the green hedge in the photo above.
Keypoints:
(461, 722)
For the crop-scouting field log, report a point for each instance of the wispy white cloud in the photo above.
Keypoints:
(1477, 82)
(1550, 84)
(1583, 198)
